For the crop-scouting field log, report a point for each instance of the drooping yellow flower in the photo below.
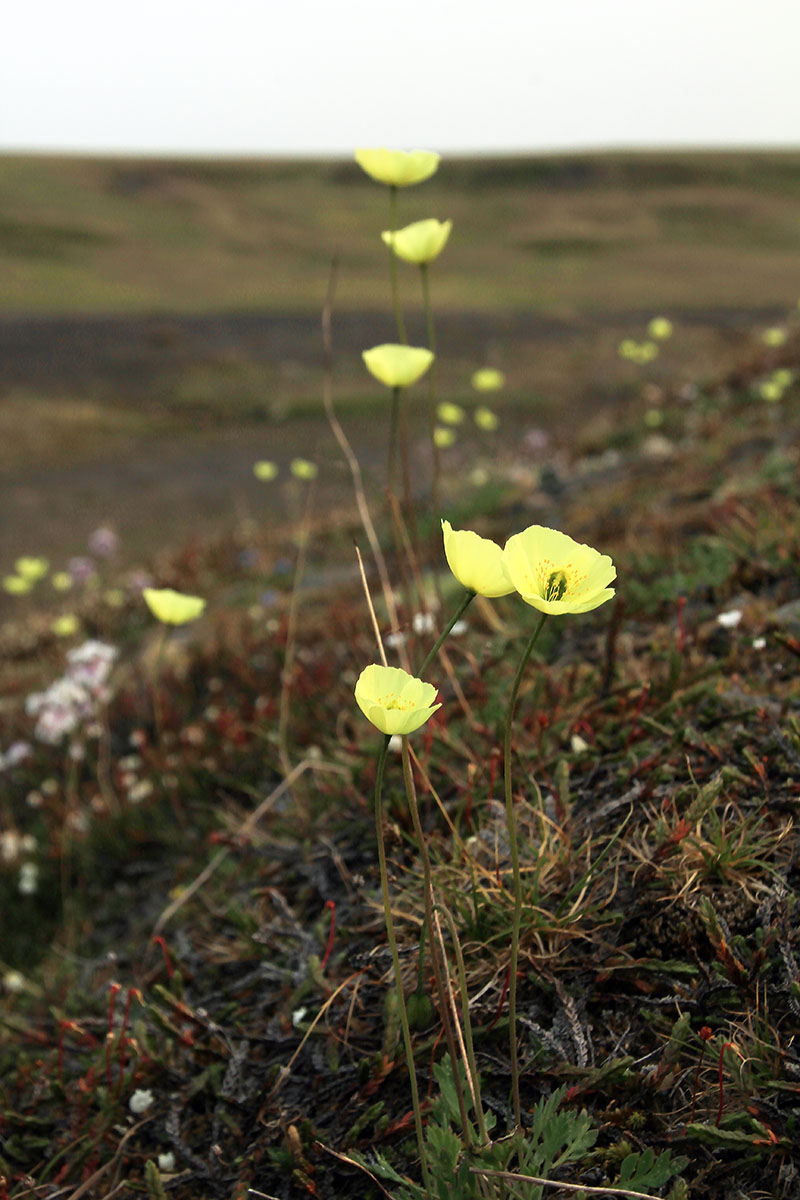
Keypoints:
(451, 414)
(774, 337)
(32, 568)
(555, 574)
(486, 419)
(394, 701)
(660, 328)
(398, 168)
(265, 471)
(173, 608)
(395, 365)
(476, 562)
(301, 468)
(16, 585)
(65, 625)
(443, 437)
(488, 379)
(420, 242)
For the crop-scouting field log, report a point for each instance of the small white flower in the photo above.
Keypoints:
(297, 1016)
(729, 619)
(395, 743)
(140, 791)
(28, 881)
(577, 744)
(459, 629)
(759, 643)
(422, 623)
(140, 1101)
(166, 1162)
(14, 981)
(393, 640)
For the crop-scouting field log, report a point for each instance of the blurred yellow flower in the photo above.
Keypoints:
(398, 168)
(420, 242)
(114, 597)
(173, 608)
(443, 437)
(783, 377)
(654, 418)
(265, 471)
(628, 349)
(32, 568)
(62, 581)
(488, 379)
(301, 468)
(395, 365)
(15, 585)
(660, 328)
(66, 625)
(451, 414)
(555, 574)
(774, 337)
(394, 701)
(771, 391)
(486, 419)
(476, 562)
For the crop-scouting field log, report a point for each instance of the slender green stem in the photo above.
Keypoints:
(387, 912)
(393, 428)
(398, 312)
(158, 716)
(444, 1003)
(512, 838)
(431, 328)
(466, 600)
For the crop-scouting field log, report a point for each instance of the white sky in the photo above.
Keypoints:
(323, 76)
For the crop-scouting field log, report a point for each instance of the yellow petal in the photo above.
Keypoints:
(397, 366)
(451, 414)
(420, 242)
(486, 419)
(173, 608)
(265, 471)
(487, 379)
(555, 574)
(399, 168)
(65, 625)
(31, 568)
(476, 562)
(660, 328)
(16, 585)
(301, 468)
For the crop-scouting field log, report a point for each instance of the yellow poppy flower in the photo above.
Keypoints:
(476, 562)
(451, 414)
(420, 242)
(15, 585)
(486, 419)
(32, 568)
(771, 391)
(660, 328)
(114, 597)
(301, 468)
(65, 625)
(443, 437)
(398, 168)
(555, 574)
(265, 471)
(772, 337)
(394, 701)
(62, 581)
(488, 379)
(395, 365)
(173, 608)
(628, 349)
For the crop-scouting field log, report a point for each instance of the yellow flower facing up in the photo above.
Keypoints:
(555, 574)
(443, 437)
(395, 365)
(265, 471)
(16, 585)
(476, 562)
(420, 242)
(65, 625)
(398, 168)
(485, 419)
(488, 379)
(774, 337)
(660, 328)
(173, 608)
(301, 468)
(32, 568)
(394, 701)
(451, 414)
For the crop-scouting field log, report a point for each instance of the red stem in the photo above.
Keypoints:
(331, 904)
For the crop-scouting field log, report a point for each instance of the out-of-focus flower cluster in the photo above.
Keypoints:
(75, 697)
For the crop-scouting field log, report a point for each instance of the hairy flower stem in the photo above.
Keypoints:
(437, 463)
(512, 838)
(387, 912)
(466, 600)
(398, 312)
(444, 1004)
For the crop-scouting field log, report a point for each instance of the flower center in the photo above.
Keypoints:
(392, 700)
(556, 586)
